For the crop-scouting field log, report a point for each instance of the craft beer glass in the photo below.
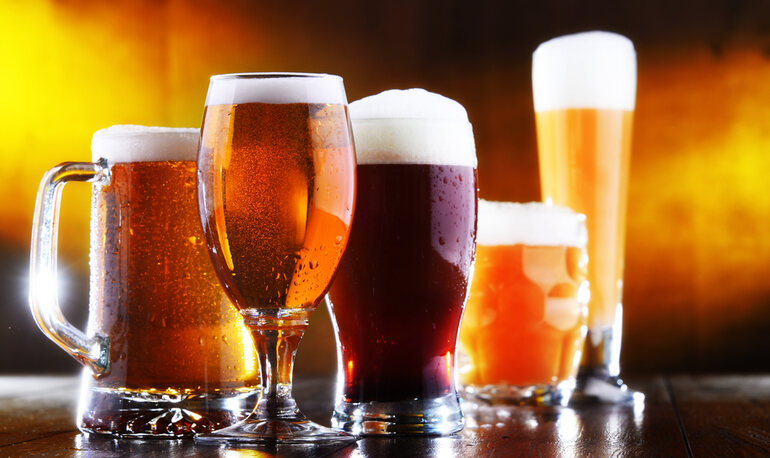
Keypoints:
(584, 88)
(524, 325)
(398, 298)
(276, 184)
(166, 352)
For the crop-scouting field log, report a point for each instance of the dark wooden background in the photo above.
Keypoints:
(698, 257)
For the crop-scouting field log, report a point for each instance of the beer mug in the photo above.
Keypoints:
(165, 353)
(524, 325)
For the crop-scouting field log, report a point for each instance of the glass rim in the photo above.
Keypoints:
(271, 75)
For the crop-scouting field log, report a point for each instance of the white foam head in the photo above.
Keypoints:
(533, 224)
(129, 143)
(275, 88)
(412, 126)
(585, 70)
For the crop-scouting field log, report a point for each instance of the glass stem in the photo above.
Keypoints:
(276, 337)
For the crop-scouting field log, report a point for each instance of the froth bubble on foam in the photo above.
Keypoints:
(412, 126)
(585, 70)
(533, 224)
(278, 89)
(130, 143)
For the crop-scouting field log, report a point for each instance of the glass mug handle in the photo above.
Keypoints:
(93, 352)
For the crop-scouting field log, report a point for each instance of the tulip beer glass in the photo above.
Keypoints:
(276, 183)
(399, 295)
(584, 89)
(524, 326)
(166, 353)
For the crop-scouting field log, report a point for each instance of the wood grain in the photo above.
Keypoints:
(724, 415)
(681, 416)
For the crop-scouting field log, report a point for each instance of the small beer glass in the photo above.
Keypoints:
(525, 322)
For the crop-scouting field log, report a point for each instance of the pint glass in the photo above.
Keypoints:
(524, 325)
(584, 89)
(399, 294)
(166, 353)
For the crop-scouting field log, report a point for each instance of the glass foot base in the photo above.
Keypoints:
(137, 414)
(535, 395)
(598, 387)
(274, 432)
(434, 417)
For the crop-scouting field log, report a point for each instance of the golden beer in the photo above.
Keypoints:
(170, 324)
(282, 198)
(584, 88)
(584, 158)
(524, 325)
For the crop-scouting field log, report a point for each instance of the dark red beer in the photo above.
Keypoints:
(401, 286)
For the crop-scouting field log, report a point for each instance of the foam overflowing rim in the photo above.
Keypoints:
(134, 143)
(412, 126)
(531, 223)
(594, 69)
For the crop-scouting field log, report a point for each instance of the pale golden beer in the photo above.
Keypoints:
(584, 88)
(584, 158)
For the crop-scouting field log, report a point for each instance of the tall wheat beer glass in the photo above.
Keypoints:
(166, 352)
(276, 182)
(584, 89)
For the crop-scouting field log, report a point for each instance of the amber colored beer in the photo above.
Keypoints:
(171, 328)
(523, 324)
(584, 161)
(280, 203)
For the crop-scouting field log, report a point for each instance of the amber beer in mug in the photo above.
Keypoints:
(276, 188)
(399, 294)
(524, 325)
(584, 88)
(168, 353)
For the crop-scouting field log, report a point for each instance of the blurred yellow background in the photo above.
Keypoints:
(698, 256)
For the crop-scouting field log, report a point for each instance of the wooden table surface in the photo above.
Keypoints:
(682, 416)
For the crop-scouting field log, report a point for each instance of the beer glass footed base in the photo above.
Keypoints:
(433, 417)
(299, 431)
(597, 386)
(534, 395)
(143, 415)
